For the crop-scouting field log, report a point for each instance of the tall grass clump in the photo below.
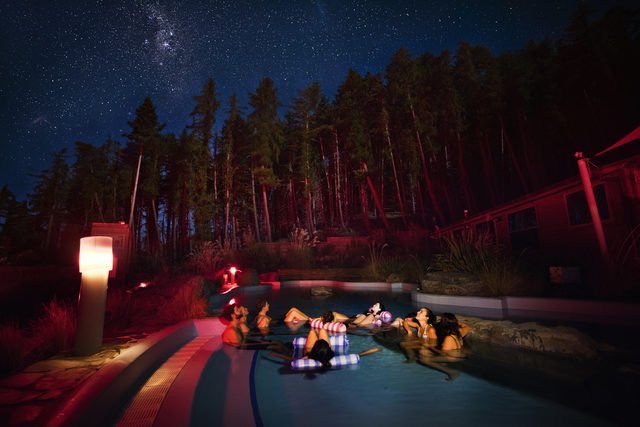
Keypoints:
(300, 254)
(12, 348)
(479, 255)
(256, 255)
(188, 302)
(208, 257)
(119, 311)
(374, 261)
(54, 330)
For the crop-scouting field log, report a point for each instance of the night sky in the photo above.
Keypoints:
(77, 70)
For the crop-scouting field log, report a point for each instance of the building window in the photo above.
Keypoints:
(578, 210)
(523, 226)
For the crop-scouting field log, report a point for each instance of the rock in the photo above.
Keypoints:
(321, 291)
(52, 394)
(63, 379)
(11, 396)
(560, 340)
(21, 380)
(24, 414)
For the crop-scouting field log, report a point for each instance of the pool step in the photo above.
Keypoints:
(144, 407)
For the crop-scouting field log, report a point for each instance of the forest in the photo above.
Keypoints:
(411, 147)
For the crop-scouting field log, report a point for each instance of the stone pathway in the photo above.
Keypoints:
(32, 396)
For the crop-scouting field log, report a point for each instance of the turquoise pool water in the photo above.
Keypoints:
(382, 389)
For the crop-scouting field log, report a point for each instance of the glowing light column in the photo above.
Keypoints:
(96, 259)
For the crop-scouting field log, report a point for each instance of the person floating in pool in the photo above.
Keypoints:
(296, 316)
(236, 333)
(318, 347)
(368, 317)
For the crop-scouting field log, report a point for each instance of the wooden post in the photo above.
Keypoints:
(593, 207)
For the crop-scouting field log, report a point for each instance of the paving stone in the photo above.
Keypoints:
(21, 380)
(55, 365)
(12, 396)
(24, 414)
(51, 394)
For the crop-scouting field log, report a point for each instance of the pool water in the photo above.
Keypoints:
(382, 388)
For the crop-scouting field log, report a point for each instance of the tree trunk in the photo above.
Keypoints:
(255, 206)
(395, 176)
(364, 207)
(488, 168)
(376, 199)
(466, 184)
(513, 156)
(227, 198)
(185, 228)
(325, 167)
(338, 190)
(432, 196)
(267, 221)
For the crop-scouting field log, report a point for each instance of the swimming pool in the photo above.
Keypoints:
(381, 390)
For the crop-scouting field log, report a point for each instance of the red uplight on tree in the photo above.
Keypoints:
(233, 270)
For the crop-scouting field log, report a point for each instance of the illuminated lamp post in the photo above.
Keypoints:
(96, 259)
(233, 272)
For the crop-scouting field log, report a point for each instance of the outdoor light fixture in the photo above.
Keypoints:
(233, 272)
(96, 259)
(229, 285)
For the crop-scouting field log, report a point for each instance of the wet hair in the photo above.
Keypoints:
(432, 317)
(378, 312)
(228, 311)
(322, 352)
(448, 325)
(260, 303)
(327, 317)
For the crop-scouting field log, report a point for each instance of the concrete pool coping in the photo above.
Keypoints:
(104, 392)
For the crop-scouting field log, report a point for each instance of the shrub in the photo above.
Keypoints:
(208, 258)
(478, 254)
(300, 255)
(119, 311)
(54, 331)
(188, 302)
(374, 261)
(12, 348)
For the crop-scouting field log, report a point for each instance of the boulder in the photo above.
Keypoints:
(561, 340)
(321, 291)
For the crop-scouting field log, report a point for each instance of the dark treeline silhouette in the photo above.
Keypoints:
(413, 146)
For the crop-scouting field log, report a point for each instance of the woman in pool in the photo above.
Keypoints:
(423, 322)
(319, 348)
(236, 333)
(450, 332)
(295, 315)
(370, 316)
(262, 320)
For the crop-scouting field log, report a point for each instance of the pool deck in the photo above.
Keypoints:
(164, 393)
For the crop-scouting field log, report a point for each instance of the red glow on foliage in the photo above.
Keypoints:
(231, 301)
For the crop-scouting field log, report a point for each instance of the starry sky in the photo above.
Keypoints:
(77, 70)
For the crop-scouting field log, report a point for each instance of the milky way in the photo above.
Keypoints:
(76, 71)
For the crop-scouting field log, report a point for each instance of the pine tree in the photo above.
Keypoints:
(266, 132)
